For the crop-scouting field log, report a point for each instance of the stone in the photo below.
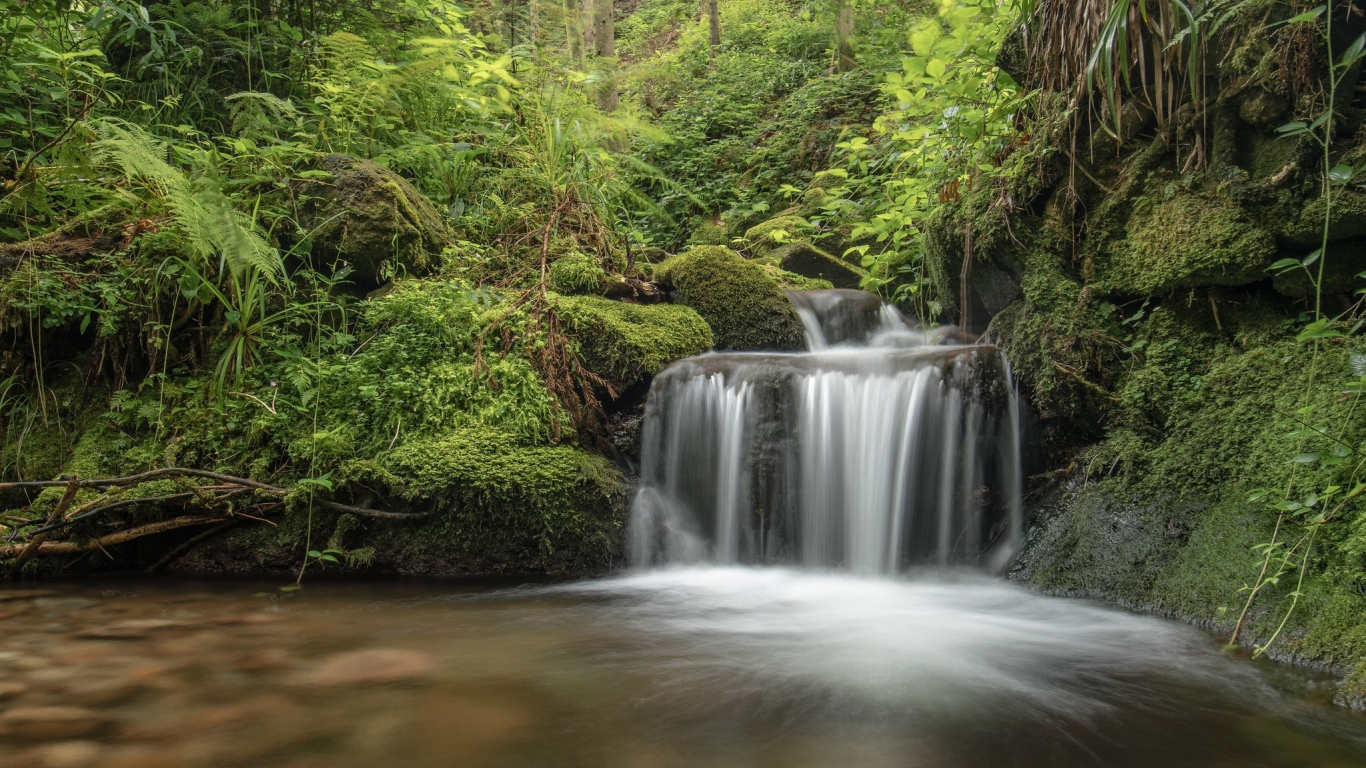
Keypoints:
(52, 723)
(809, 261)
(772, 234)
(745, 308)
(370, 217)
(625, 342)
(370, 667)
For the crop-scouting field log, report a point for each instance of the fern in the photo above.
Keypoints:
(214, 229)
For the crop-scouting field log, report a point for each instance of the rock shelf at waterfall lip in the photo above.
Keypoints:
(889, 359)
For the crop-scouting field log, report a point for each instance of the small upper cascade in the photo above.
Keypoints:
(877, 450)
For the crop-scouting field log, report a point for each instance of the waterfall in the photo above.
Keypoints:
(879, 448)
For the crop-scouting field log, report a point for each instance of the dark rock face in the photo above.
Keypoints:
(809, 261)
(369, 217)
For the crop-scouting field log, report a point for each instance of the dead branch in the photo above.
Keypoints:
(119, 537)
(27, 550)
(156, 474)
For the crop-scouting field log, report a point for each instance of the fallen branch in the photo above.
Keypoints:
(119, 537)
(157, 474)
(28, 549)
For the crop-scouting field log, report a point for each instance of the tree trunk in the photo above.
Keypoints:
(574, 34)
(586, 21)
(714, 14)
(844, 36)
(604, 39)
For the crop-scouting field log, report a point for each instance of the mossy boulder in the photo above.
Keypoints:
(1183, 240)
(626, 342)
(745, 308)
(835, 178)
(710, 233)
(809, 261)
(369, 216)
(772, 234)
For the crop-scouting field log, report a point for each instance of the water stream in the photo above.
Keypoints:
(814, 538)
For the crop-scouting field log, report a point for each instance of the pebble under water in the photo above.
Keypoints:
(710, 666)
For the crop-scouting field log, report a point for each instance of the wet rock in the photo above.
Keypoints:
(52, 723)
(375, 666)
(809, 261)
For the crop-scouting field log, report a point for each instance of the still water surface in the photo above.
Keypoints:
(677, 668)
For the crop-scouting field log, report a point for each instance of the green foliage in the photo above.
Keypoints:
(950, 132)
(745, 308)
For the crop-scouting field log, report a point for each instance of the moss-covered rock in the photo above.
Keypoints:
(626, 342)
(745, 308)
(1159, 517)
(829, 180)
(1183, 240)
(772, 234)
(577, 273)
(369, 216)
(792, 280)
(811, 262)
(710, 233)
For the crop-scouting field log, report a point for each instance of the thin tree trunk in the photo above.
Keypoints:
(573, 33)
(587, 21)
(714, 14)
(604, 38)
(844, 36)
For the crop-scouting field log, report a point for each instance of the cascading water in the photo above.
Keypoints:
(877, 449)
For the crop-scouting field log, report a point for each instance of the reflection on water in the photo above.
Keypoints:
(699, 667)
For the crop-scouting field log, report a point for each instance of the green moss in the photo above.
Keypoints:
(710, 233)
(1169, 526)
(625, 342)
(745, 308)
(792, 280)
(368, 215)
(577, 273)
(829, 180)
(550, 508)
(764, 237)
(1184, 240)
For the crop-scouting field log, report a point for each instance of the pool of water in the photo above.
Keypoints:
(715, 667)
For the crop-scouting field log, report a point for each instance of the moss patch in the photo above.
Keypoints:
(745, 308)
(1186, 239)
(625, 342)
(709, 233)
(577, 273)
(368, 215)
(762, 237)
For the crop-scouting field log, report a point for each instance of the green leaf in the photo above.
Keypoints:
(1284, 265)
(1312, 257)
(1309, 15)
(1341, 174)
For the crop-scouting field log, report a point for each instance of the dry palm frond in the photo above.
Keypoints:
(1148, 49)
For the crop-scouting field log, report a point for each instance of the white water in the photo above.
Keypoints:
(876, 450)
(960, 645)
